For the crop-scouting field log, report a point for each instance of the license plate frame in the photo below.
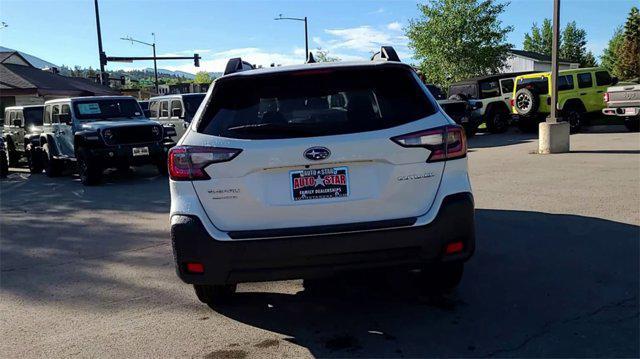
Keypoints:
(319, 183)
(140, 151)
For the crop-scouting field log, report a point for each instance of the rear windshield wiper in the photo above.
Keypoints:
(270, 128)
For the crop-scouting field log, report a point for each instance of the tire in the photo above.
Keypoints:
(4, 165)
(12, 155)
(442, 277)
(497, 121)
(90, 172)
(213, 295)
(34, 159)
(527, 102)
(52, 167)
(163, 166)
(575, 118)
(632, 123)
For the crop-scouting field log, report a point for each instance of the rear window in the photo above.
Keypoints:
(489, 89)
(310, 103)
(33, 116)
(603, 78)
(540, 84)
(585, 80)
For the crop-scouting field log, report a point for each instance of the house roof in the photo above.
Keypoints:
(27, 80)
(5, 55)
(537, 56)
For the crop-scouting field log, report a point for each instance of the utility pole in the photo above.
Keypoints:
(306, 34)
(101, 53)
(554, 135)
(155, 62)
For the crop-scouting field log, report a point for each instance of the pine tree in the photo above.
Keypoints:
(628, 65)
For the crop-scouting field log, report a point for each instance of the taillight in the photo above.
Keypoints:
(606, 97)
(512, 102)
(187, 163)
(445, 143)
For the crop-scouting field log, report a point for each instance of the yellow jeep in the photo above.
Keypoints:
(580, 92)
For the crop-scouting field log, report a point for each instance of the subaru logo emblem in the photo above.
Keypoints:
(317, 153)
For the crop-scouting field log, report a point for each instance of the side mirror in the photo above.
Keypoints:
(614, 80)
(176, 112)
(147, 113)
(64, 118)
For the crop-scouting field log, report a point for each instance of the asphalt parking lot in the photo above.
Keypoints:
(88, 272)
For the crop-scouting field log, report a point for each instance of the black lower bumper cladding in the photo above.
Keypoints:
(319, 254)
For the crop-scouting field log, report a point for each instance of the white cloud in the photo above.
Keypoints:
(379, 10)
(395, 26)
(361, 38)
(216, 61)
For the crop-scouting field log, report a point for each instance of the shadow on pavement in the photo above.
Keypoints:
(512, 137)
(539, 285)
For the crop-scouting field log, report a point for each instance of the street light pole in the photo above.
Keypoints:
(306, 33)
(555, 43)
(153, 45)
(553, 135)
(100, 52)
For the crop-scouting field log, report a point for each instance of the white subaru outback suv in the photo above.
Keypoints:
(304, 171)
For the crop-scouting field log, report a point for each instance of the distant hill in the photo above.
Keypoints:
(184, 74)
(33, 60)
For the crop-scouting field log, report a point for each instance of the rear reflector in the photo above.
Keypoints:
(454, 247)
(195, 267)
(187, 163)
(445, 143)
(512, 102)
(606, 97)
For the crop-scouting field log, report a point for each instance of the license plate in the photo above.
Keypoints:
(141, 151)
(319, 183)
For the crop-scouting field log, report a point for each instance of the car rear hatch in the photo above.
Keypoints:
(319, 147)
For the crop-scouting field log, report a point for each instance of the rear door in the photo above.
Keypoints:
(317, 149)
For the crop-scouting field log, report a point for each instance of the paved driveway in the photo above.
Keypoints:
(88, 271)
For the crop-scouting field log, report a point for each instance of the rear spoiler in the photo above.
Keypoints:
(386, 53)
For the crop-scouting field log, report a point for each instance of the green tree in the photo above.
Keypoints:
(202, 77)
(456, 39)
(573, 42)
(322, 55)
(628, 65)
(540, 38)
(611, 54)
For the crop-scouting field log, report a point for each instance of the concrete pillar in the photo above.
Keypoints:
(553, 137)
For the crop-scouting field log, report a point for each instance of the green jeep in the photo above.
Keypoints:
(580, 93)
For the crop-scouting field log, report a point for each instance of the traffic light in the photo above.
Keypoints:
(196, 60)
(123, 81)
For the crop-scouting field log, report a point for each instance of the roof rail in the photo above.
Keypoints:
(236, 65)
(386, 53)
(310, 58)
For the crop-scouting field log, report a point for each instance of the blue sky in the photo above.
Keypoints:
(63, 31)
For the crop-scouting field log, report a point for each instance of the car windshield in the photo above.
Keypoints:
(33, 116)
(107, 109)
(191, 104)
(540, 84)
(317, 102)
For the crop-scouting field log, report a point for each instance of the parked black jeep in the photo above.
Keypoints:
(460, 111)
(100, 133)
(18, 122)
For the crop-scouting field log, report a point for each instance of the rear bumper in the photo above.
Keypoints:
(322, 254)
(114, 156)
(622, 111)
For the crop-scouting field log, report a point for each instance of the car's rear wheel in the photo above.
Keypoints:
(90, 172)
(4, 165)
(213, 295)
(442, 276)
(34, 158)
(632, 123)
(575, 119)
(52, 166)
(497, 121)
